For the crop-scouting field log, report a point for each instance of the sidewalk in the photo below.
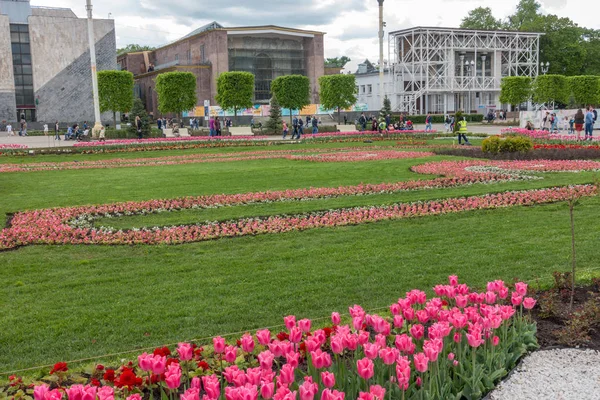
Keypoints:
(36, 142)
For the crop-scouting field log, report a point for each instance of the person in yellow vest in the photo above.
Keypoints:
(382, 126)
(462, 132)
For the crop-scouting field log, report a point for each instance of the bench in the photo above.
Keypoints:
(346, 128)
(241, 131)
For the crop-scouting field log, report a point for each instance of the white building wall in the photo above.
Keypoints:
(369, 93)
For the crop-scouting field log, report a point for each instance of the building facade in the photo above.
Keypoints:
(266, 51)
(46, 73)
(443, 70)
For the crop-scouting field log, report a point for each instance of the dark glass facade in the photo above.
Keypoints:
(23, 72)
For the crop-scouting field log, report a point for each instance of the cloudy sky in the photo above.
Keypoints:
(351, 25)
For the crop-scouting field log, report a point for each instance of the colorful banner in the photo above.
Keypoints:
(310, 109)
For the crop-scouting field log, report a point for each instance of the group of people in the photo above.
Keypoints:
(581, 121)
(384, 124)
(499, 115)
(298, 124)
(7, 127)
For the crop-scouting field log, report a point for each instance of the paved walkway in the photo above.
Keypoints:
(37, 142)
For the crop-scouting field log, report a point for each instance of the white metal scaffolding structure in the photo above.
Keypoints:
(439, 70)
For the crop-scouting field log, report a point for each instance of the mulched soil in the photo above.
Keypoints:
(537, 154)
(547, 327)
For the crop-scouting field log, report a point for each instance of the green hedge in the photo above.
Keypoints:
(510, 144)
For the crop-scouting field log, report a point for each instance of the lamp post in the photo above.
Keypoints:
(545, 67)
(381, 67)
(92, 43)
(462, 80)
(470, 68)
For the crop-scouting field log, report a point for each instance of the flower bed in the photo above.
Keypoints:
(13, 146)
(71, 225)
(544, 135)
(121, 142)
(458, 344)
(346, 154)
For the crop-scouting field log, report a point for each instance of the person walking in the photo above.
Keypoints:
(374, 124)
(138, 126)
(579, 122)
(9, 130)
(295, 127)
(315, 125)
(217, 126)
(462, 132)
(45, 129)
(211, 127)
(362, 122)
(428, 127)
(388, 120)
(301, 127)
(285, 130)
(547, 122)
(159, 124)
(589, 124)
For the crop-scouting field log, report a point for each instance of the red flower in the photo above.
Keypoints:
(282, 336)
(128, 379)
(204, 365)
(198, 350)
(303, 348)
(100, 367)
(172, 361)
(95, 382)
(59, 367)
(109, 375)
(162, 351)
(327, 331)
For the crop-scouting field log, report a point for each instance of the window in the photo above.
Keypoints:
(369, 89)
(202, 57)
(362, 88)
(21, 55)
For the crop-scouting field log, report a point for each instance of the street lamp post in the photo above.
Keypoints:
(92, 43)
(470, 68)
(545, 67)
(462, 81)
(381, 67)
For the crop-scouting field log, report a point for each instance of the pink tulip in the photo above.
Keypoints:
(337, 344)
(417, 331)
(159, 364)
(308, 390)
(371, 350)
(320, 359)
(388, 355)
(496, 341)
(529, 303)
(54, 394)
(377, 391)
(490, 297)
(195, 383)
(455, 363)
(295, 335)
(230, 354)
(247, 342)
(173, 376)
(474, 339)
(185, 351)
(461, 301)
(453, 280)
(365, 368)
(136, 396)
(212, 386)
(267, 389)
(105, 393)
(457, 337)
(335, 318)
(516, 299)
(405, 344)
(293, 359)
(219, 344)
(450, 356)
(328, 379)
(521, 288)
(191, 394)
(287, 374)
(421, 361)
(266, 360)
(263, 337)
(332, 395)
(145, 361)
(290, 321)
(39, 392)
(398, 321)
(304, 325)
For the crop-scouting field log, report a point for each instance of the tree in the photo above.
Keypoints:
(339, 62)
(235, 90)
(585, 89)
(515, 90)
(337, 91)
(525, 16)
(291, 91)
(481, 18)
(133, 48)
(138, 110)
(274, 124)
(176, 92)
(115, 89)
(550, 88)
(387, 107)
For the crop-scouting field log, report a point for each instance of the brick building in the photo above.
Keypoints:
(45, 73)
(265, 51)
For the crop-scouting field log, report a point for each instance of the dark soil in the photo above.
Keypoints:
(537, 154)
(547, 326)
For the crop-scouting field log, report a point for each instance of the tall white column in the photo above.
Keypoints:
(92, 44)
(381, 67)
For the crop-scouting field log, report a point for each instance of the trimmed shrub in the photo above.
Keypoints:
(510, 144)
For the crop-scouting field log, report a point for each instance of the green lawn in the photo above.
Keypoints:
(59, 303)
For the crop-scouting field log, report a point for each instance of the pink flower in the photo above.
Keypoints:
(287, 374)
(212, 386)
(461, 301)
(145, 361)
(308, 390)
(327, 378)
(173, 376)
(377, 391)
(529, 303)
(195, 382)
(371, 350)
(247, 342)
(521, 288)
(290, 321)
(475, 339)
(55, 394)
(159, 364)
(295, 335)
(388, 355)
(453, 280)
(266, 360)
(304, 325)
(405, 344)
(516, 299)
(263, 337)
(450, 356)
(191, 394)
(417, 331)
(293, 359)
(335, 318)
(398, 321)
(39, 392)
(105, 393)
(230, 354)
(365, 368)
(320, 359)
(332, 395)
(455, 363)
(185, 351)
(219, 344)
(496, 341)
(267, 389)
(136, 396)
(421, 362)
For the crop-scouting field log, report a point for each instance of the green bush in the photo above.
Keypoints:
(511, 144)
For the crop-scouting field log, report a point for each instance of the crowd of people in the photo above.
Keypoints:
(579, 122)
